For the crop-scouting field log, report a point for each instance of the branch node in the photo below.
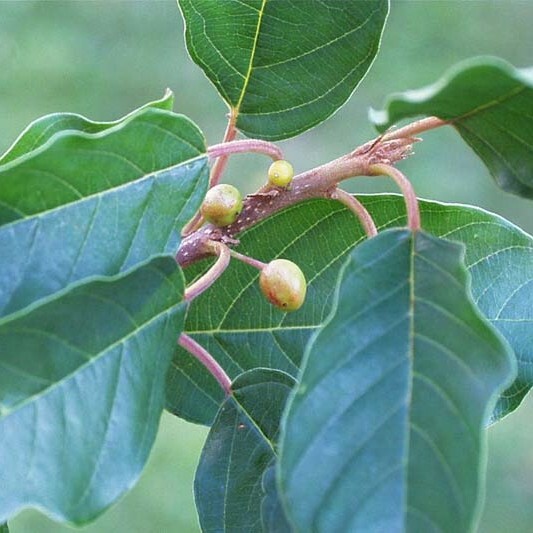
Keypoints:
(204, 282)
(411, 201)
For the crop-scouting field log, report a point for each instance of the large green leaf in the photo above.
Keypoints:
(82, 390)
(239, 449)
(243, 331)
(4, 528)
(386, 429)
(490, 103)
(283, 66)
(43, 129)
(92, 204)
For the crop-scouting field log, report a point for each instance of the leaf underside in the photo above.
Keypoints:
(82, 390)
(385, 431)
(243, 331)
(240, 447)
(490, 103)
(91, 302)
(85, 205)
(281, 70)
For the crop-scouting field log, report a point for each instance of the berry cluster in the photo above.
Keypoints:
(281, 281)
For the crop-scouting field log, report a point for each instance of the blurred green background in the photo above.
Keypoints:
(104, 58)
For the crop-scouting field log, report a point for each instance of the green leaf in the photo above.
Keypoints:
(82, 391)
(4, 528)
(43, 129)
(386, 429)
(235, 323)
(239, 448)
(273, 516)
(283, 66)
(490, 103)
(84, 205)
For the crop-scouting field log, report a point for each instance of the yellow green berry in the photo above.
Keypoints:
(283, 284)
(280, 173)
(222, 205)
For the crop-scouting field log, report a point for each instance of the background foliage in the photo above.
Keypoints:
(102, 59)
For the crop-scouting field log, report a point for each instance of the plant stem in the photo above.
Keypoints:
(411, 202)
(354, 205)
(204, 282)
(209, 362)
(319, 182)
(248, 260)
(415, 128)
(245, 145)
(220, 164)
(195, 223)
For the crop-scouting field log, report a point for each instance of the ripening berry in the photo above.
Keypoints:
(280, 173)
(222, 205)
(283, 284)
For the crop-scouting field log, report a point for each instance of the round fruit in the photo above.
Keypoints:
(283, 284)
(222, 205)
(280, 173)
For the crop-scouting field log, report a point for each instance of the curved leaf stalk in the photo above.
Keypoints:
(220, 164)
(411, 202)
(196, 222)
(414, 128)
(200, 353)
(203, 283)
(245, 146)
(354, 205)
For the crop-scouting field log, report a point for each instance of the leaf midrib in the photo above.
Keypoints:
(241, 409)
(492, 103)
(322, 46)
(92, 360)
(99, 194)
(248, 74)
(410, 356)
